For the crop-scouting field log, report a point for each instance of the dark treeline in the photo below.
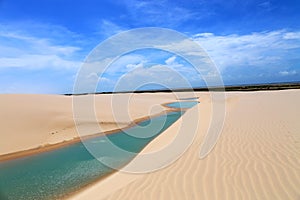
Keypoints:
(248, 87)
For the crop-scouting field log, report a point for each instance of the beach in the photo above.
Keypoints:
(257, 155)
(30, 121)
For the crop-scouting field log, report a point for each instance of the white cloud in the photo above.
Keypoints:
(109, 28)
(267, 50)
(126, 63)
(182, 67)
(203, 35)
(38, 61)
(288, 73)
(158, 74)
(161, 13)
(170, 60)
(267, 5)
(92, 76)
(292, 35)
(133, 66)
(262, 49)
(185, 46)
(174, 73)
(27, 51)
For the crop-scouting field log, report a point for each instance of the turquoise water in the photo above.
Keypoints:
(53, 174)
(183, 104)
(189, 98)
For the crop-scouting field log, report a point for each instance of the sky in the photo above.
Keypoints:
(44, 43)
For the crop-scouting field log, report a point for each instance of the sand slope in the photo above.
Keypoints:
(29, 121)
(256, 157)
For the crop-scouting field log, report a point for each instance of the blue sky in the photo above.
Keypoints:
(43, 43)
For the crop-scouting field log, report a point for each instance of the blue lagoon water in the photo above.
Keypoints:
(183, 104)
(54, 174)
(189, 98)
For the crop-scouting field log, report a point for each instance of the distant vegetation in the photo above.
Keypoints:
(249, 87)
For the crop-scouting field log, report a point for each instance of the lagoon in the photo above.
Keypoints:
(58, 173)
(182, 104)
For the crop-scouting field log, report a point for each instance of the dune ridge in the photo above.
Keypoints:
(257, 156)
(32, 123)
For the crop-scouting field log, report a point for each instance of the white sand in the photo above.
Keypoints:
(256, 157)
(29, 121)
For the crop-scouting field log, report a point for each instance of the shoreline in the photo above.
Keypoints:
(258, 158)
(73, 194)
(47, 148)
(52, 147)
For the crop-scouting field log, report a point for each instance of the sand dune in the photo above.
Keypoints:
(256, 157)
(32, 121)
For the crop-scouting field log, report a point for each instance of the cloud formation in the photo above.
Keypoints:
(252, 58)
(258, 57)
(256, 49)
(287, 73)
(159, 13)
(27, 51)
